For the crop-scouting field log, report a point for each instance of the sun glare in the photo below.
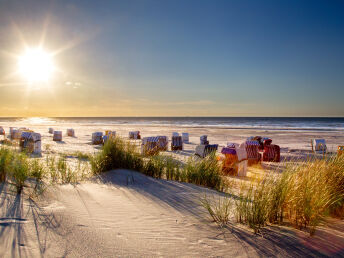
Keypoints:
(36, 65)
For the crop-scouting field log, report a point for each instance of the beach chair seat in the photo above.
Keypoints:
(319, 146)
(185, 137)
(51, 130)
(70, 132)
(97, 138)
(57, 136)
(135, 135)
(253, 155)
(177, 143)
(271, 153)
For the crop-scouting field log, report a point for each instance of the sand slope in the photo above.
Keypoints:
(124, 213)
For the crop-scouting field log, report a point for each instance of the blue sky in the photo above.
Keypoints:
(178, 58)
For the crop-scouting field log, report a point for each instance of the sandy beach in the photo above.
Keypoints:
(108, 215)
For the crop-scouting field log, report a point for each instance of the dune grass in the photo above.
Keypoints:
(303, 195)
(118, 153)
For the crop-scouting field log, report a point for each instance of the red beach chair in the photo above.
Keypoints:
(271, 153)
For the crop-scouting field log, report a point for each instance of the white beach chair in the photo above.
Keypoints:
(185, 137)
(319, 146)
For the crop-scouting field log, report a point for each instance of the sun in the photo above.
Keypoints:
(36, 65)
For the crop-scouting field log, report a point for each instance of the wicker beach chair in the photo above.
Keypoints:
(30, 142)
(185, 137)
(51, 130)
(235, 161)
(57, 136)
(135, 135)
(271, 153)
(97, 138)
(70, 132)
(319, 146)
(253, 155)
(177, 143)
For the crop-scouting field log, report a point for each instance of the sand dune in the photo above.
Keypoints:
(124, 213)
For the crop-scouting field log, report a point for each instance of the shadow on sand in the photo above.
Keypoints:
(185, 198)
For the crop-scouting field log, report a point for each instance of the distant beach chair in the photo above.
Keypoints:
(57, 136)
(134, 135)
(70, 132)
(30, 142)
(185, 137)
(204, 150)
(149, 146)
(97, 138)
(176, 143)
(162, 143)
(2, 131)
(204, 140)
(340, 150)
(319, 146)
(51, 130)
(253, 155)
(271, 153)
(235, 161)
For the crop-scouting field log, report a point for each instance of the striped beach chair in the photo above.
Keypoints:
(97, 138)
(176, 143)
(204, 150)
(252, 149)
(271, 153)
(150, 145)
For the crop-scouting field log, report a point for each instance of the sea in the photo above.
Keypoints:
(263, 123)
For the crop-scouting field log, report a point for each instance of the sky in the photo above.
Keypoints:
(175, 58)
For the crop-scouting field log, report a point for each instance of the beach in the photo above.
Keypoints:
(108, 215)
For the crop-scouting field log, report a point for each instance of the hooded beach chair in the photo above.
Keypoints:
(150, 146)
(185, 137)
(271, 153)
(97, 138)
(253, 155)
(204, 140)
(51, 130)
(319, 146)
(134, 135)
(204, 150)
(30, 142)
(235, 161)
(176, 143)
(57, 136)
(70, 132)
(162, 143)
